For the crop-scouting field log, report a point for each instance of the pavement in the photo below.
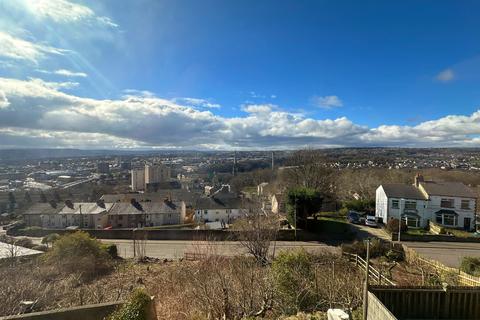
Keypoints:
(172, 249)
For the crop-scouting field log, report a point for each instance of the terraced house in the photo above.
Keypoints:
(451, 204)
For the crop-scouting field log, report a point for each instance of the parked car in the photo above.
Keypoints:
(371, 221)
(353, 217)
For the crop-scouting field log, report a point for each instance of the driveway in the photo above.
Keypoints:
(364, 232)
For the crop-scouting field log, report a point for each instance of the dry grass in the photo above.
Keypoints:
(215, 287)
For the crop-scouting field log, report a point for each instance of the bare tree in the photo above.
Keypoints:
(308, 169)
(256, 232)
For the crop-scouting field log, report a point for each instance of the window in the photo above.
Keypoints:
(395, 204)
(120, 217)
(466, 204)
(449, 220)
(410, 205)
(438, 219)
(447, 203)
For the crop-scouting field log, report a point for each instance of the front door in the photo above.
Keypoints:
(466, 223)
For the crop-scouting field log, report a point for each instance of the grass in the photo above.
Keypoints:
(459, 233)
(417, 232)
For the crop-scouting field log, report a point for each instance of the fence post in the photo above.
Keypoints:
(365, 289)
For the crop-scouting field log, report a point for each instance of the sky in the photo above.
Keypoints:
(239, 74)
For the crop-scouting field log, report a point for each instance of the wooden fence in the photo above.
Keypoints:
(463, 278)
(429, 302)
(372, 272)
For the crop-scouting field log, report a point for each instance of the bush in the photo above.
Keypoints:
(24, 242)
(378, 248)
(111, 249)
(471, 265)
(134, 309)
(78, 253)
(50, 238)
(294, 276)
(392, 226)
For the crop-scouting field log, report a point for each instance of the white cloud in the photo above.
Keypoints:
(68, 73)
(327, 102)
(54, 85)
(4, 103)
(196, 102)
(63, 11)
(36, 113)
(446, 75)
(20, 49)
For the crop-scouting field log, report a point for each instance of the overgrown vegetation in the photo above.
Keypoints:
(136, 308)
(378, 248)
(77, 253)
(471, 265)
(392, 226)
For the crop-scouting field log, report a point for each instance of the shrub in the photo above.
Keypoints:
(50, 238)
(134, 309)
(24, 242)
(78, 253)
(392, 226)
(294, 277)
(378, 248)
(471, 265)
(111, 249)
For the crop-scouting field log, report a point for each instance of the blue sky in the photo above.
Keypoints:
(239, 74)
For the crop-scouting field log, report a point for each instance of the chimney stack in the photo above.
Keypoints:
(418, 180)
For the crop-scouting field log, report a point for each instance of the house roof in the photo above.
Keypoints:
(406, 191)
(220, 203)
(146, 207)
(449, 189)
(43, 208)
(86, 208)
(160, 195)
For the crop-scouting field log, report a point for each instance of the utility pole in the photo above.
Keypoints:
(365, 289)
(295, 217)
(273, 163)
(400, 219)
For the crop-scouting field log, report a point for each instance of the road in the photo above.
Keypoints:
(448, 253)
(364, 232)
(171, 249)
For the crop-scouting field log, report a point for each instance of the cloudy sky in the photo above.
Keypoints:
(250, 74)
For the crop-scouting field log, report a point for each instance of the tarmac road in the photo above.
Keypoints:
(448, 253)
(169, 249)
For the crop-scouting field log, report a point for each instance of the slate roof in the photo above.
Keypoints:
(448, 189)
(86, 208)
(176, 194)
(217, 202)
(400, 190)
(43, 208)
(146, 207)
